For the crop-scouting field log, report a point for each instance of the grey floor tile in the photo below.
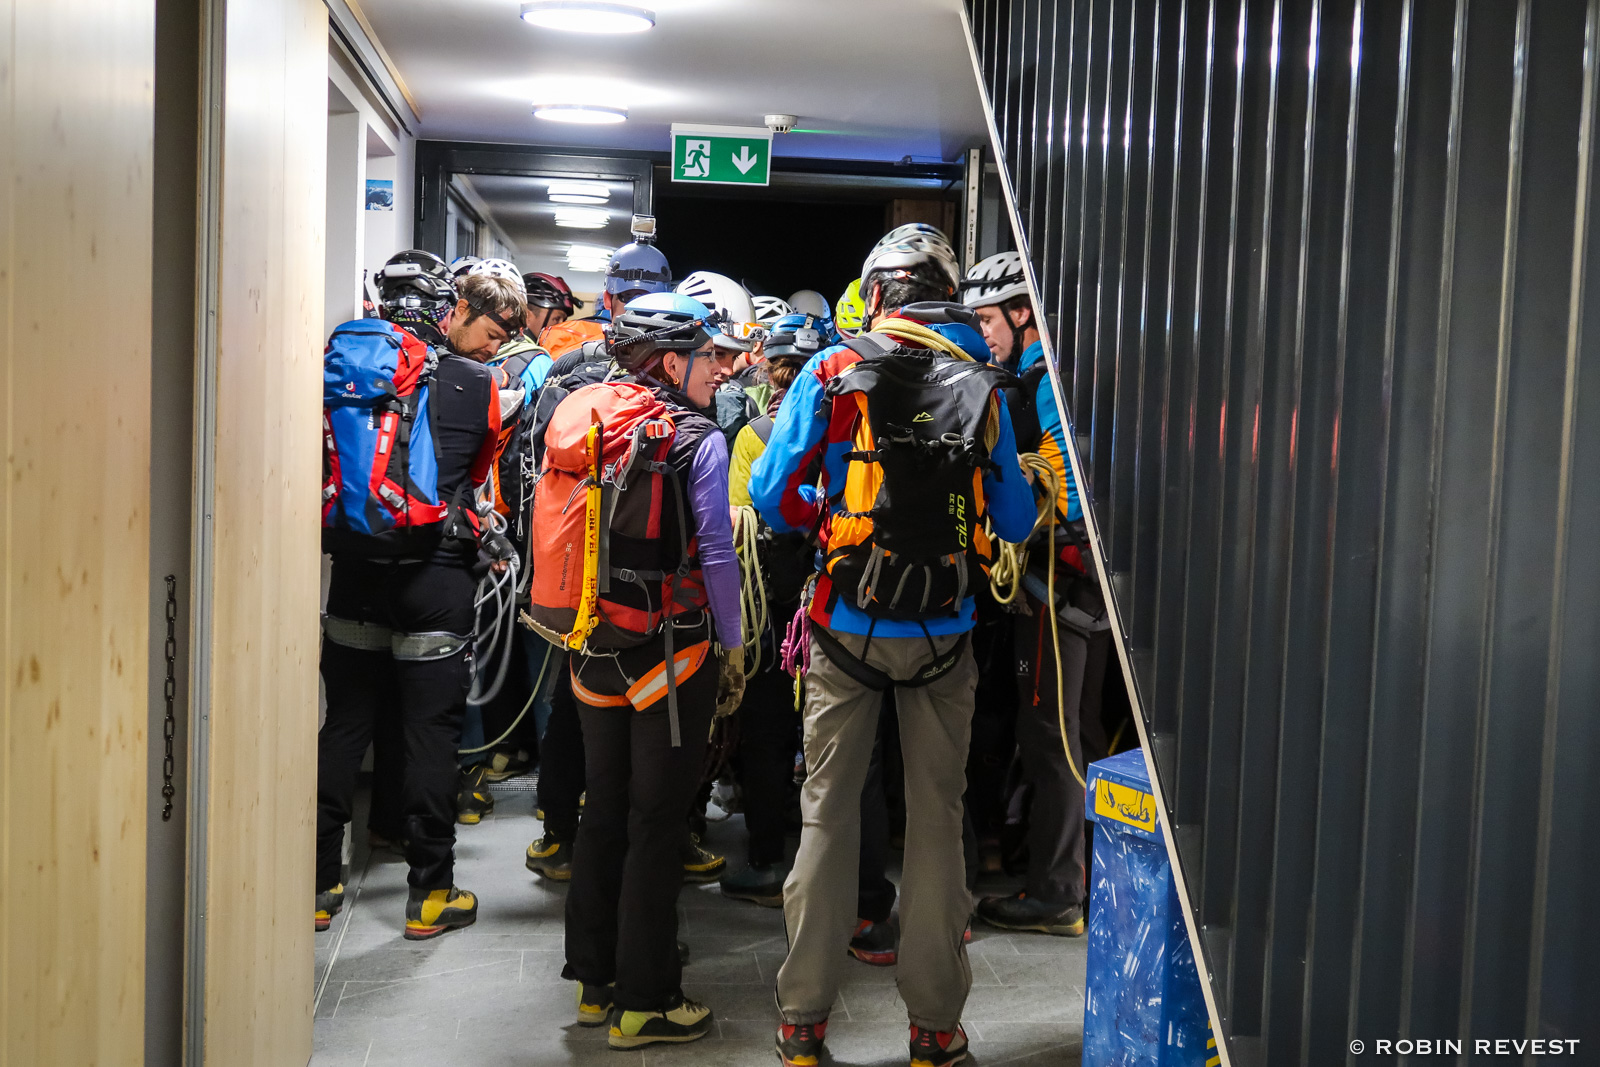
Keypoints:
(491, 995)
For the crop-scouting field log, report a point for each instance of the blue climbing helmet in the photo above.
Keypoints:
(799, 335)
(638, 266)
(661, 322)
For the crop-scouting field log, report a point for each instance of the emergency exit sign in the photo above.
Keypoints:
(721, 155)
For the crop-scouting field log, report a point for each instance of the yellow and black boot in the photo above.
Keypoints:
(431, 912)
(329, 901)
(688, 1021)
(594, 1004)
(473, 800)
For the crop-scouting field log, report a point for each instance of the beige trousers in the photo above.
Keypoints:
(819, 898)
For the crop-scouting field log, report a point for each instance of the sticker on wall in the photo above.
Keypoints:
(380, 194)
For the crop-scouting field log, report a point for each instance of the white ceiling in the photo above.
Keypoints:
(879, 79)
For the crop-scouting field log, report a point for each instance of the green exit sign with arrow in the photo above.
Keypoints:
(721, 155)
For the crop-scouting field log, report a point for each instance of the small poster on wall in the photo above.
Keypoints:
(380, 194)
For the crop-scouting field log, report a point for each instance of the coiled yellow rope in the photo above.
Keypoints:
(752, 585)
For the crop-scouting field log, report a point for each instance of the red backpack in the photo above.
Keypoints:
(612, 557)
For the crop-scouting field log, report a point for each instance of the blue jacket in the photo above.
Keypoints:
(806, 430)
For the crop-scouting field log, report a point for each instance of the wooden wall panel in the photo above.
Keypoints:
(76, 115)
(264, 630)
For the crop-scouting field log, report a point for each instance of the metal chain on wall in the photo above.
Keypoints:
(1317, 276)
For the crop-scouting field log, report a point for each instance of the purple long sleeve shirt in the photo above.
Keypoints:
(708, 496)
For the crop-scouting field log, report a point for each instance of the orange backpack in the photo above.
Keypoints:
(612, 556)
(563, 337)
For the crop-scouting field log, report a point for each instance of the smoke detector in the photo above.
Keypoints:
(781, 123)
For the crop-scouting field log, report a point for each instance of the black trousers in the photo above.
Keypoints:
(419, 703)
(769, 736)
(561, 759)
(1056, 818)
(622, 908)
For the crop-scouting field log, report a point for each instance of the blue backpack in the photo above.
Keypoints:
(380, 488)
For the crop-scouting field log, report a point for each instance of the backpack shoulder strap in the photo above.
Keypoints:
(762, 425)
(868, 345)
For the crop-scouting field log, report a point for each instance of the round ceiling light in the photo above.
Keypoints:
(594, 114)
(587, 16)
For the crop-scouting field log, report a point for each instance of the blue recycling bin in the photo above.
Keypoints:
(1142, 1005)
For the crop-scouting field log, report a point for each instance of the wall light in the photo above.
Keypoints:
(598, 114)
(587, 16)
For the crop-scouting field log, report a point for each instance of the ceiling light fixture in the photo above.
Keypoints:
(587, 16)
(592, 190)
(581, 218)
(569, 198)
(596, 114)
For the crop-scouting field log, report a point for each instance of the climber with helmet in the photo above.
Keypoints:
(645, 676)
(550, 301)
(997, 290)
(849, 312)
(1052, 901)
(634, 270)
(891, 449)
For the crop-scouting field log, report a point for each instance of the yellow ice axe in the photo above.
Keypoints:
(587, 620)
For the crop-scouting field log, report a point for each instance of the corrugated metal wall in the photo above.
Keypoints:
(1320, 275)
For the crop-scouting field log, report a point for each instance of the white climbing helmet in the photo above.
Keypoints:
(994, 281)
(719, 293)
(770, 309)
(501, 268)
(915, 248)
(810, 302)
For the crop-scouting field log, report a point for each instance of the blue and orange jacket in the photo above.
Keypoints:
(1053, 437)
(811, 433)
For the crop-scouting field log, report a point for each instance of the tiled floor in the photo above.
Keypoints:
(490, 995)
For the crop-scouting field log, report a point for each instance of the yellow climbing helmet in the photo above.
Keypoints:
(849, 312)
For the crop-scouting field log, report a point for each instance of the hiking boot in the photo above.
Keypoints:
(1024, 913)
(551, 859)
(941, 1048)
(700, 866)
(431, 912)
(688, 1021)
(329, 901)
(594, 1004)
(759, 885)
(506, 763)
(473, 801)
(874, 943)
(801, 1046)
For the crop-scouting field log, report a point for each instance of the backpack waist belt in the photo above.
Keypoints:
(878, 681)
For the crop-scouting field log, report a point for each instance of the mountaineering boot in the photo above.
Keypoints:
(430, 912)
(506, 763)
(699, 865)
(551, 859)
(473, 801)
(801, 1046)
(688, 1021)
(937, 1048)
(594, 1004)
(329, 901)
(759, 885)
(874, 943)
(1024, 913)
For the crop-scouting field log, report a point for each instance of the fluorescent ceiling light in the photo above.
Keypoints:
(599, 189)
(572, 198)
(582, 218)
(587, 16)
(595, 114)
